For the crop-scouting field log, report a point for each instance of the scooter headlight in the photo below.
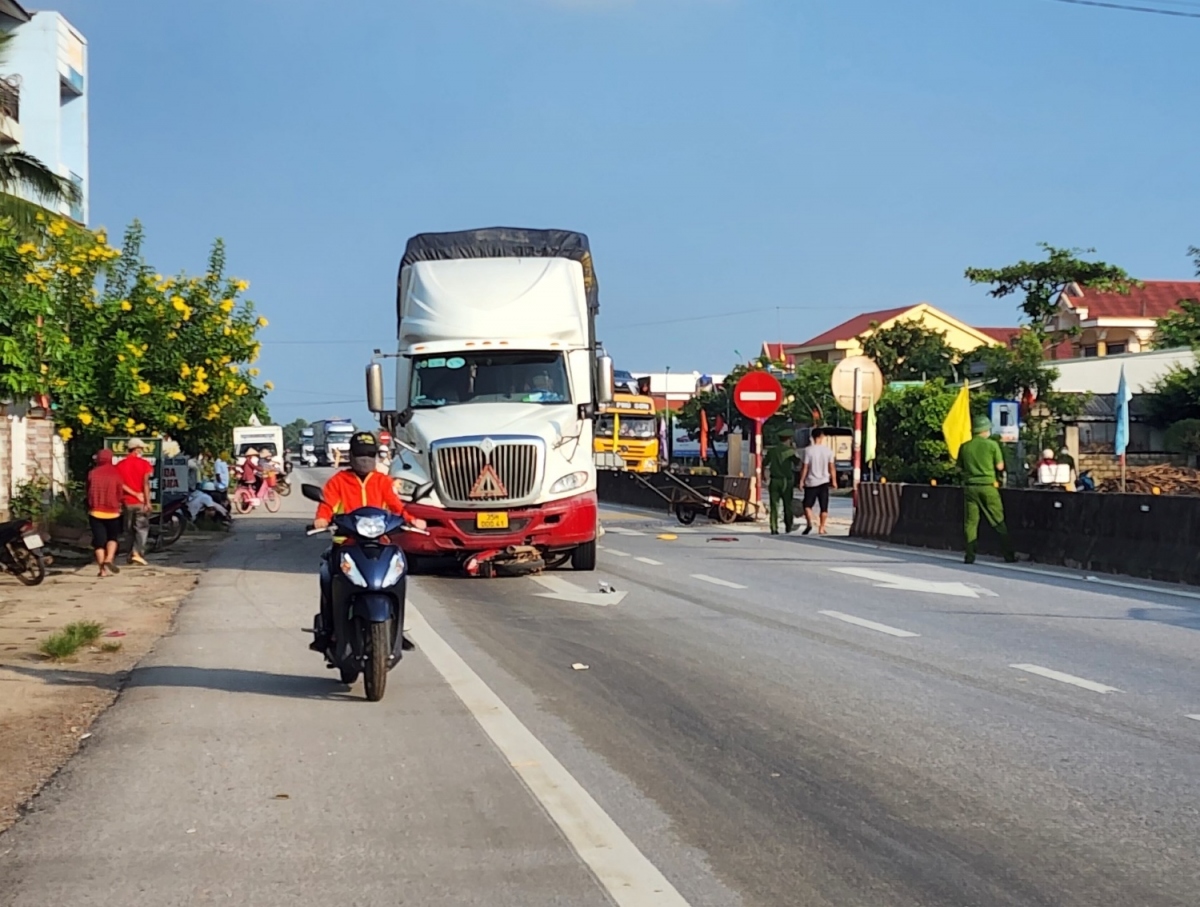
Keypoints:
(370, 527)
(351, 571)
(395, 570)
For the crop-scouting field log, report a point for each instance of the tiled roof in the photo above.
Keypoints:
(775, 351)
(848, 330)
(1153, 300)
(1000, 335)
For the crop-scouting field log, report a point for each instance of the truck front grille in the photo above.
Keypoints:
(478, 473)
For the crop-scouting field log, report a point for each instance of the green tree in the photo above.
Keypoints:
(909, 425)
(21, 172)
(1041, 282)
(291, 433)
(1174, 397)
(1182, 328)
(910, 351)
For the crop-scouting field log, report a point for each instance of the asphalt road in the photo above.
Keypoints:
(761, 721)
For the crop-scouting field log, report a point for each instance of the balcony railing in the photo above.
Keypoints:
(10, 99)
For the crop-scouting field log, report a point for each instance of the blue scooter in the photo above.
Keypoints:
(364, 576)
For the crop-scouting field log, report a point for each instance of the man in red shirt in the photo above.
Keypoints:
(359, 486)
(135, 472)
(105, 490)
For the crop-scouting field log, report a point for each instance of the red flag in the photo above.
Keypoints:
(703, 435)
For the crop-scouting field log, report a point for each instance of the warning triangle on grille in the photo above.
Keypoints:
(488, 485)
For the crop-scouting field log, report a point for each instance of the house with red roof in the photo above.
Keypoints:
(1097, 323)
(846, 338)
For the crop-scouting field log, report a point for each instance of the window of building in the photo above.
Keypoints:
(1115, 349)
(1089, 351)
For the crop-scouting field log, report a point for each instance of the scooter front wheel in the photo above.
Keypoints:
(379, 648)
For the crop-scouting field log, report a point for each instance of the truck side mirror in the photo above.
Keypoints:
(375, 387)
(605, 388)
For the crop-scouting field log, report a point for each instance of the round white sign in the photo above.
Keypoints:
(870, 383)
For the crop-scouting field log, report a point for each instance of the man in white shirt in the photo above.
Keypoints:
(817, 476)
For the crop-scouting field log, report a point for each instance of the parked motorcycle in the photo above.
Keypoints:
(168, 524)
(1085, 482)
(22, 552)
(366, 575)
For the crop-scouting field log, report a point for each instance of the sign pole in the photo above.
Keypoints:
(1122, 473)
(857, 439)
(758, 460)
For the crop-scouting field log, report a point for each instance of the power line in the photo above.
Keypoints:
(1133, 9)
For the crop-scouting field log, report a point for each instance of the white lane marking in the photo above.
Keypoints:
(621, 530)
(898, 551)
(615, 553)
(1066, 678)
(884, 580)
(649, 560)
(716, 582)
(869, 624)
(1193, 717)
(630, 879)
(566, 591)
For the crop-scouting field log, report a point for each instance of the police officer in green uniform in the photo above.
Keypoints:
(981, 462)
(781, 461)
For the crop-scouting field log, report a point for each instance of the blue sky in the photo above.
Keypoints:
(810, 159)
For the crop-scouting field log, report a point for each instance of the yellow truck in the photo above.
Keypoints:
(627, 427)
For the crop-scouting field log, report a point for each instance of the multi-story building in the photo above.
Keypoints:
(44, 95)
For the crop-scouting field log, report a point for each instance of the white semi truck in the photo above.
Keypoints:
(331, 441)
(498, 382)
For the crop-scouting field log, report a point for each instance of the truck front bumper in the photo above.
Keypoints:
(555, 526)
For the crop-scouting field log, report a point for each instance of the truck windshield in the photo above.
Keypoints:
(492, 377)
(338, 437)
(631, 427)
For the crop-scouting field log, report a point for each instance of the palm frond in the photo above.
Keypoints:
(20, 170)
(24, 215)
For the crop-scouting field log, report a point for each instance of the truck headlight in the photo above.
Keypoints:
(649, 464)
(351, 571)
(569, 482)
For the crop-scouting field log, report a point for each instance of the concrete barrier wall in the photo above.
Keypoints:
(1155, 537)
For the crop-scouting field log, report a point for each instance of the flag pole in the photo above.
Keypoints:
(1122, 473)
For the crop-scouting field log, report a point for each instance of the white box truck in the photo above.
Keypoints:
(499, 379)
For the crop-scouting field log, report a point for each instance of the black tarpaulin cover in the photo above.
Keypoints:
(505, 242)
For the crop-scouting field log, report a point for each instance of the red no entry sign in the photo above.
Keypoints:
(385, 439)
(758, 395)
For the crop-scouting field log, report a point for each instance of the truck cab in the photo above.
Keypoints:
(497, 387)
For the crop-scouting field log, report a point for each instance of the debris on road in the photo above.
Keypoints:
(724, 538)
(607, 587)
(668, 537)
(579, 666)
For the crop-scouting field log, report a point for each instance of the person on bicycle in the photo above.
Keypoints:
(361, 485)
(252, 472)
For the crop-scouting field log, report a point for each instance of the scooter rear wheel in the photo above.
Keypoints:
(379, 647)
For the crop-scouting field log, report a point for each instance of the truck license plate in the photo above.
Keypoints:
(491, 521)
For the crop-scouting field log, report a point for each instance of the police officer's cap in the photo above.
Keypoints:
(363, 444)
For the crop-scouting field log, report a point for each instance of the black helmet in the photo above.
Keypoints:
(363, 444)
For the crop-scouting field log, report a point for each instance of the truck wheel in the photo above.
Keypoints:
(584, 557)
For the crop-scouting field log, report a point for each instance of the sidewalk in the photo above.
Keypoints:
(43, 714)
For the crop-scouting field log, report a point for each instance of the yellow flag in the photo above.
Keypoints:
(957, 427)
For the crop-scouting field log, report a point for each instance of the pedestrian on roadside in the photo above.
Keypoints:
(221, 478)
(135, 472)
(781, 486)
(105, 491)
(981, 462)
(818, 477)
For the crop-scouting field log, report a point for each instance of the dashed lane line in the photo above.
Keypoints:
(649, 560)
(1061, 677)
(703, 577)
(615, 553)
(870, 624)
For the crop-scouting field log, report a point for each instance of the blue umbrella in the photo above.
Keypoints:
(1122, 438)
